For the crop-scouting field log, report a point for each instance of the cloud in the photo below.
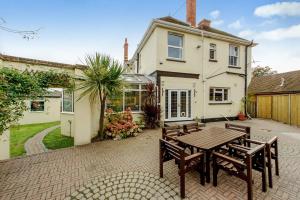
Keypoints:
(278, 9)
(247, 33)
(215, 14)
(268, 22)
(235, 25)
(292, 32)
(217, 22)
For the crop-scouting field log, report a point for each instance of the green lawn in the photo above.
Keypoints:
(21, 133)
(54, 140)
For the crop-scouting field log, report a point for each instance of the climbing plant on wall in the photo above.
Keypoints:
(17, 86)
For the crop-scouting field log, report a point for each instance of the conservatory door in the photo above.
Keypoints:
(178, 105)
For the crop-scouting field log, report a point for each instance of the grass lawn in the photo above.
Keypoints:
(54, 140)
(21, 133)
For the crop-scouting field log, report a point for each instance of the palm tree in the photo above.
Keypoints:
(102, 80)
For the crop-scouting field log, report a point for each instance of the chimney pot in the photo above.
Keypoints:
(191, 12)
(204, 24)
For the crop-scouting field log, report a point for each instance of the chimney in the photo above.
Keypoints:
(191, 12)
(204, 24)
(125, 51)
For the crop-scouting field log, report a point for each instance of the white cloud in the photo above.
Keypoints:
(215, 14)
(291, 32)
(268, 22)
(217, 22)
(235, 25)
(247, 33)
(278, 9)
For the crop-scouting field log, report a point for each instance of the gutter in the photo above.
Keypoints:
(246, 75)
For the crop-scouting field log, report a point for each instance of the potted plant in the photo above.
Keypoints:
(241, 115)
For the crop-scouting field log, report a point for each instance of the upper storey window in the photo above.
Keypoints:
(212, 51)
(233, 55)
(175, 46)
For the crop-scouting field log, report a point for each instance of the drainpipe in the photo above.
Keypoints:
(246, 75)
(203, 80)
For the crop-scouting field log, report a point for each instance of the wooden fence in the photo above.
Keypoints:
(283, 108)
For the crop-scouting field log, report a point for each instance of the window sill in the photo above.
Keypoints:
(176, 60)
(219, 103)
(68, 113)
(210, 60)
(234, 67)
(36, 111)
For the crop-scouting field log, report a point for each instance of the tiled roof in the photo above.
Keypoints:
(39, 62)
(288, 82)
(209, 29)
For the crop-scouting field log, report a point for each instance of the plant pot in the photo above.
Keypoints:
(241, 117)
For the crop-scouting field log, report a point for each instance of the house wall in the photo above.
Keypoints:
(4, 145)
(196, 61)
(50, 114)
(67, 124)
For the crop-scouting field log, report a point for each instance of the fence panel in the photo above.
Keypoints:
(295, 109)
(280, 108)
(264, 107)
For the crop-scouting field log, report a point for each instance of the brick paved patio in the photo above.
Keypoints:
(58, 174)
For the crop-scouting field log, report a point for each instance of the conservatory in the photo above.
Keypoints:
(133, 94)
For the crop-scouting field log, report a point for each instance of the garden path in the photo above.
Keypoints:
(35, 144)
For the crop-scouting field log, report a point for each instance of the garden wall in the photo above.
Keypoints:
(4, 145)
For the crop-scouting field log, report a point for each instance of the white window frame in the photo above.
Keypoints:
(213, 47)
(62, 103)
(220, 92)
(176, 47)
(140, 90)
(235, 56)
(38, 100)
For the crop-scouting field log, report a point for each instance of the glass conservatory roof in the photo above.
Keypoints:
(138, 78)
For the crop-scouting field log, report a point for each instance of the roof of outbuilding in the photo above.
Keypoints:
(39, 62)
(288, 82)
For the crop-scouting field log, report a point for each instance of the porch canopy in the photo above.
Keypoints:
(133, 94)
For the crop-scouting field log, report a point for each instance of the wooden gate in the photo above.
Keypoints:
(264, 107)
(283, 108)
(295, 109)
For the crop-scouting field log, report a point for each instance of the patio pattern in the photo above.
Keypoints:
(62, 173)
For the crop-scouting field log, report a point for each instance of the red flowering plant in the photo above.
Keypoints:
(120, 125)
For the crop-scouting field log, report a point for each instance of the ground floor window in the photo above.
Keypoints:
(37, 105)
(218, 94)
(67, 101)
(133, 96)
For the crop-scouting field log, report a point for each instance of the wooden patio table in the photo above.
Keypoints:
(209, 139)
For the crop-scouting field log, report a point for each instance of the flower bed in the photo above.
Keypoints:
(120, 125)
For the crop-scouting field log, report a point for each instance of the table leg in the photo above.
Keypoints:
(207, 167)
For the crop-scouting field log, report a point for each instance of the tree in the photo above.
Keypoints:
(262, 71)
(17, 86)
(102, 79)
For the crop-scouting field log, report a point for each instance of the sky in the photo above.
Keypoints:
(71, 29)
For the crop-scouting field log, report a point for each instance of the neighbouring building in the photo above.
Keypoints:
(277, 97)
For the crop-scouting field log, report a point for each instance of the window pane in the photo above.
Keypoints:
(167, 104)
(211, 94)
(212, 54)
(175, 40)
(132, 100)
(37, 106)
(115, 103)
(132, 86)
(67, 101)
(225, 94)
(174, 52)
(218, 97)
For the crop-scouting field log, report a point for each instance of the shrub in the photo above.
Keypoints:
(120, 125)
(150, 108)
